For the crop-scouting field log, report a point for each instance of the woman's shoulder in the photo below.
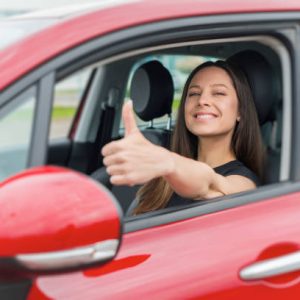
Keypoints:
(236, 167)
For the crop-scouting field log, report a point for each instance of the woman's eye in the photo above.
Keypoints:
(219, 94)
(193, 94)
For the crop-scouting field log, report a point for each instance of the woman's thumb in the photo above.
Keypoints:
(128, 118)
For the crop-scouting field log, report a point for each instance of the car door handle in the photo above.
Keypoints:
(99, 252)
(272, 267)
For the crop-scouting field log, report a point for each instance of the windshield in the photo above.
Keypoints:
(11, 31)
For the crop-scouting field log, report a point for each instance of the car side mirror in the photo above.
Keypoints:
(56, 220)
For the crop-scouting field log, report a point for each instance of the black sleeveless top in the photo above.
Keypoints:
(234, 167)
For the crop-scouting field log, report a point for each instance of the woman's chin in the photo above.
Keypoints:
(205, 131)
(211, 133)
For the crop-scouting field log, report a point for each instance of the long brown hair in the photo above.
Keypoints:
(246, 140)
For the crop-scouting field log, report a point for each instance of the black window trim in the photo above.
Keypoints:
(39, 139)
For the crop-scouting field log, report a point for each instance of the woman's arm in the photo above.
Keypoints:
(134, 160)
(197, 180)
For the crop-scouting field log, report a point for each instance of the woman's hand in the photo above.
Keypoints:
(133, 159)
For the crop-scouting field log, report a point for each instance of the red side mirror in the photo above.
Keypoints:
(54, 219)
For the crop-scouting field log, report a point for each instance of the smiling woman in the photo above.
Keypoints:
(213, 140)
(211, 107)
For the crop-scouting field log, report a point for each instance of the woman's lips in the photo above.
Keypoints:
(205, 116)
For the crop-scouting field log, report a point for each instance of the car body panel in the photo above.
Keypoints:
(196, 258)
(17, 60)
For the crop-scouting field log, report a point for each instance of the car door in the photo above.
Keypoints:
(198, 257)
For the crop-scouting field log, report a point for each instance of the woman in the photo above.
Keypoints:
(216, 146)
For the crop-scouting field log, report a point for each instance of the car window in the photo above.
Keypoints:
(179, 67)
(67, 96)
(16, 123)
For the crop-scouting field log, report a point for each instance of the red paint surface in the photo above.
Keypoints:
(23, 56)
(50, 209)
(117, 265)
(198, 258)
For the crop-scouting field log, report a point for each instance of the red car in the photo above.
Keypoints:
(64, 75)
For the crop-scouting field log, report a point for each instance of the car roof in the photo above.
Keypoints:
(68, 28)
(71, 10)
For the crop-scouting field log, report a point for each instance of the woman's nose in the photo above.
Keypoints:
(203, 100)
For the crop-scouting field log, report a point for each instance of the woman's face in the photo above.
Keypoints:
(211, 106)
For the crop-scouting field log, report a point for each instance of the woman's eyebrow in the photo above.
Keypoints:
(220, 84)
(194, 86)
(212, 85)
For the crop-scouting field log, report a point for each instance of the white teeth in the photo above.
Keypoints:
(205, 116)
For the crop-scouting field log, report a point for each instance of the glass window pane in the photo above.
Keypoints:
(16, 121)
(67, 97)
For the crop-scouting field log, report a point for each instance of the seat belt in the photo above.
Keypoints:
(105, 128)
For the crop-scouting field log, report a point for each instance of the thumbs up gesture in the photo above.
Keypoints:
(133, 159)
(129, 120)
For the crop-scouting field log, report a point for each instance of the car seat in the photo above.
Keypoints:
(262, 81)
(152, 92)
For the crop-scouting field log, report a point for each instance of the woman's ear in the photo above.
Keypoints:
(238, 118)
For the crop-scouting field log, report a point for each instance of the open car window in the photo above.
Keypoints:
(179, 67)
(101, 121)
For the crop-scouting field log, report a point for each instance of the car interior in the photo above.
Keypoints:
(149, 81)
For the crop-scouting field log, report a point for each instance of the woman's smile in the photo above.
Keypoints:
(205, 116)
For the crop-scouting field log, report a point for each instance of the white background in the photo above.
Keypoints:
(36, 4)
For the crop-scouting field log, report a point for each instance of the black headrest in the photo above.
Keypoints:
(261, 80)
(152, 91)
